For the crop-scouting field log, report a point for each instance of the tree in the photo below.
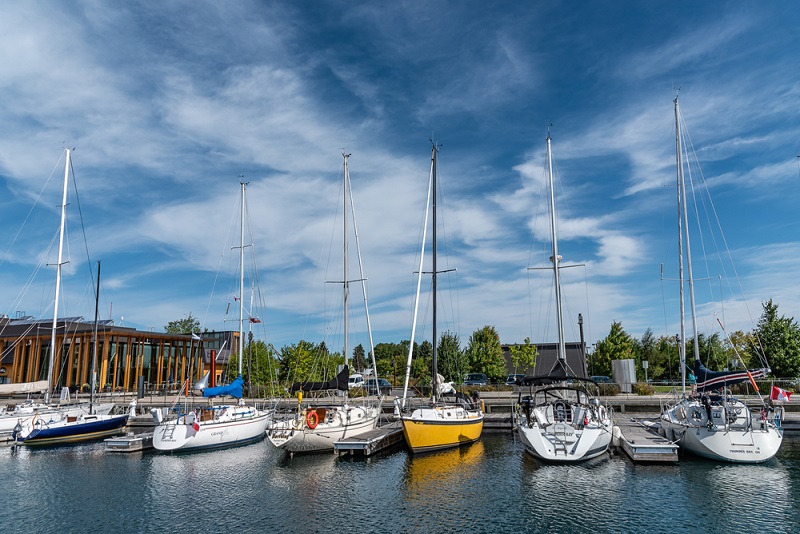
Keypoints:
(261, 369)
(668, 366)
(617, 345)
(779, 337)
(359, 360)
(391, 359)
(712, 353)
(187, 325)
(644, 349)
(422, 360)
(305, 361)
(450, 358)
(523, 356)
(485, 354)
(737, 348)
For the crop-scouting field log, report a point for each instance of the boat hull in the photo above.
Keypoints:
(72, 431)
(232, 430)
(24, 412)
(747, 442)
(563, 424)
(565, 445)
(294, 435)
(431, 429)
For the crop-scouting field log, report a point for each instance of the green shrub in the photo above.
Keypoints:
(643, 388)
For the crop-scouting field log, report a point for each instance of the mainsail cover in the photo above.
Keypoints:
(340, 383)
(708, 380)
(234, 389)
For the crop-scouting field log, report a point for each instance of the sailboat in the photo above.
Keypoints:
(559, 421)
(439, 424)
(315, 427)
(712, 423)
(67, 426)
(22, 412)
(222, 426)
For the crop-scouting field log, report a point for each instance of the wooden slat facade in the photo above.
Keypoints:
(123, 355)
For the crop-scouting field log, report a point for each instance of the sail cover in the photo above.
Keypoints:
(234, 389)
(709, 380)
(340, 383)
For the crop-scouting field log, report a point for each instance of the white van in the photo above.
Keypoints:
(355, 381)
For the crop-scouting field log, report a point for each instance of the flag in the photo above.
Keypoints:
(255, 320)
(780, 395)
(195, 337)
(195, 424)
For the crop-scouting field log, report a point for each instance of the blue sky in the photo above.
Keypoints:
(168, 104)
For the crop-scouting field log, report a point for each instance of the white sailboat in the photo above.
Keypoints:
(712, 423)
(559, 421)
(438, 424)
(51, 427)
(222, 426)
(315, 427)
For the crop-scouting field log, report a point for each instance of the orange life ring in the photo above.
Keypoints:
(312, 419)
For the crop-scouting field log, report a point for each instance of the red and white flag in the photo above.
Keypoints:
(195, 424)
(780, 395)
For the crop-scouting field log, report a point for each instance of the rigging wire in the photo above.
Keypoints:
(711, 213)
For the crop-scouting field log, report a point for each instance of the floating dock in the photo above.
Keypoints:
(373, 441)
(642, 443)
(498, 422)
(130, 442)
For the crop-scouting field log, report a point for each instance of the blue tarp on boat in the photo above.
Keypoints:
(234, 389)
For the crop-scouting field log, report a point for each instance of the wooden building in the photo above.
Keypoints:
(123, 355)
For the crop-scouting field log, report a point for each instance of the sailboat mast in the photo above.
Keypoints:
(679, 178)
(435, 375)
(683, 232)
(345, 283)
(59, 262)
(562, 350)
(241, 284)
(94, 341)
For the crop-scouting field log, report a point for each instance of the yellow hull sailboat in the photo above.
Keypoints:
(441, 427)
(438, 425)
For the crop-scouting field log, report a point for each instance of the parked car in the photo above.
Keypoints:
(355, 381)
(384, 386)
(476, 379)
(512, 379)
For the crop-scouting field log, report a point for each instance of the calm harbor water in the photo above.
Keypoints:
(491, 486)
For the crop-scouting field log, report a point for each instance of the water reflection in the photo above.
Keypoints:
(435, 469)
(441, 487)
(490, 486)
(733, 493)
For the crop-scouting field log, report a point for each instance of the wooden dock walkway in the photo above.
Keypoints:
(373, 441)
(498, 422)
(130, 442)
(643, 444)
